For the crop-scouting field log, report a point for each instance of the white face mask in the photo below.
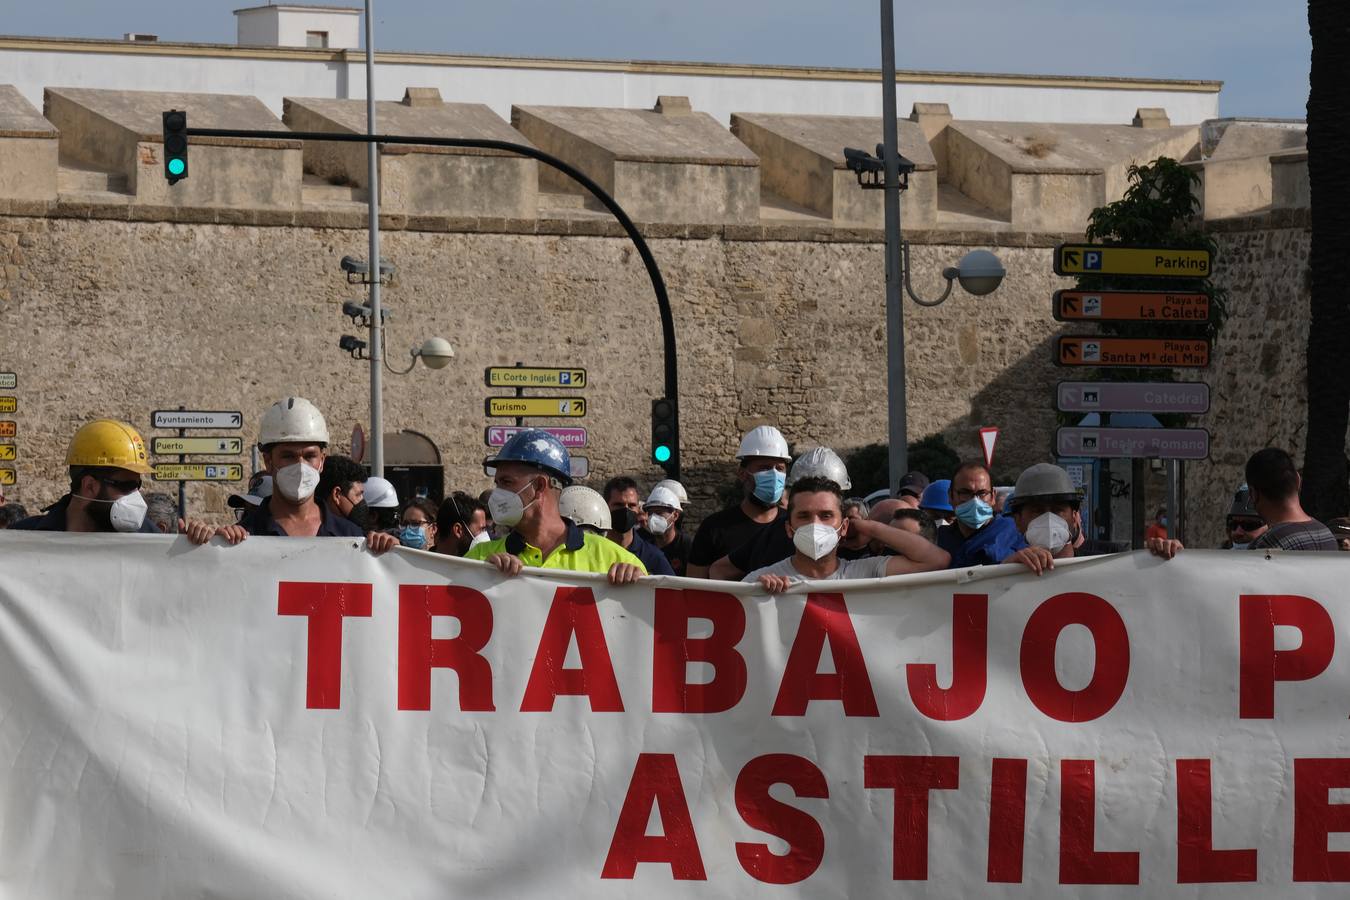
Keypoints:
(297, 482)
(1048, 531)
(506, 506)
(657, 525)
(815, 540)
(481, 537)
(126, 514)
(1237, 546)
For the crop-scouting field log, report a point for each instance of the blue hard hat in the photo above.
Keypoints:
(535, 447)
(935, 496)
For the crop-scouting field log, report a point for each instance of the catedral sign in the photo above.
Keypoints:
(295, 717)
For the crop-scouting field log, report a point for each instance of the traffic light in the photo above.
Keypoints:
(175, 145)
(666, 436)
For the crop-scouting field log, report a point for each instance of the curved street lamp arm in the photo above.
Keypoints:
(948, 273)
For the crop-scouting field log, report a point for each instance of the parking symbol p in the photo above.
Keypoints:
(1092, 260)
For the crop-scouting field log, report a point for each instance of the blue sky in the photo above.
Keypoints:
(1259, 48)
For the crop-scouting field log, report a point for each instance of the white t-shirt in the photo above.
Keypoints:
(867, 567)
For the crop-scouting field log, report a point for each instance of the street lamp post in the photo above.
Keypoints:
(979, 271)
(376, 318)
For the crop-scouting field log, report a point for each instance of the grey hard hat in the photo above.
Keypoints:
(1044, 481)
(1242, 503)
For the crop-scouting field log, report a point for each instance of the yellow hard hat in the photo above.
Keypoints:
(110, 444)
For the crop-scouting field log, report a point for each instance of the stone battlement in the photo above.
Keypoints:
(100, 152)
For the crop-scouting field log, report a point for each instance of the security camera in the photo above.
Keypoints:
(860, 161)
(353, 345)
(979, 272)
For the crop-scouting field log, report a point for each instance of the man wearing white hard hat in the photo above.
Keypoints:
(293, 437)
(665, 509)
(382, 499)
(762, 470)
(770, 545)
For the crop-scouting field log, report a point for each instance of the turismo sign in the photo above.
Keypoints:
(199, 472)
(546, 407)
(520, 377)
(1190, 397)
(1079, 350)
(227, 446)
(1133, 443)
(1162, 307)
(1158, 262)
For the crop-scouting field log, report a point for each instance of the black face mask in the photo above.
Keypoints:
(360, 515)
(622, 520)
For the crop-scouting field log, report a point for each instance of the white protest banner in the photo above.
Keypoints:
(295, 718)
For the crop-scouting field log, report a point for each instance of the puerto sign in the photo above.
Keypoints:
(221, 446)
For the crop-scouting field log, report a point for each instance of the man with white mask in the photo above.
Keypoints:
(1045, 508)
(106, 461)
(816, 522)
(529, 473)
(293, 437)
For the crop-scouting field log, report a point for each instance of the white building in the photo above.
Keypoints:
(312, 51)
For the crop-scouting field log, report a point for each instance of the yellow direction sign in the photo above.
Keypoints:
(199, 472)
(9, 404)
(1161, 262)
(220, 446)
(8, 477)
(8, 452)
(539, 407)
(502, 376)
(9, 429)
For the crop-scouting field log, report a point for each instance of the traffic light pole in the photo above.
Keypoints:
(672, 385)
(897, 425)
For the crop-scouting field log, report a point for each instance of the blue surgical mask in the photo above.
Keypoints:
(414, 536)
(769, 486)
(974, 513)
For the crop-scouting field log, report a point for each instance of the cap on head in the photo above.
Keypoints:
(293, 420)
(820, 462)
(380, 493)
(766, 441)
(538, 448)
(109, 443)
(1044, 481)
(1242, 503)
(914, 484)
(662, 496)
(584, 506)
(936, 496)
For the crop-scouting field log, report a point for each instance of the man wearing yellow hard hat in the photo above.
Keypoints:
(107, 459)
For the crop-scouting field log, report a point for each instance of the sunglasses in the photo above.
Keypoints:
(1245, 524)
(125, 487)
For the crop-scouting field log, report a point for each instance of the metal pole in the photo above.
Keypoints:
(895, 321)
(1173, 507)
(376, 326)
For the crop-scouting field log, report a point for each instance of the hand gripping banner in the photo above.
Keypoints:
(297, 718)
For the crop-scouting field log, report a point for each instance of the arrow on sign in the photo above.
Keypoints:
(1070, 304)
(1068, 350)
(1071, 257)
(236, 420)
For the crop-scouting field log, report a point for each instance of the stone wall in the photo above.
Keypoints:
(775, 324)
(1259, 365)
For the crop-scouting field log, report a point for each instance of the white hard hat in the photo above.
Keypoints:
(764, 440)
(820, 462)
(584, 506)
(293, 420)
(675, 488)
(661, 496)
(380, 493)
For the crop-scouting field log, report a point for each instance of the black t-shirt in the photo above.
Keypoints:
(720, 533)
(677, 551)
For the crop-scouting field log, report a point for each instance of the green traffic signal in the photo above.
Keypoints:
(662, 454)
(177, 167)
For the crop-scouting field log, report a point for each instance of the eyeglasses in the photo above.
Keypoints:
(964, 495)
(1247, 525)
(415, 523)
(126, 487)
